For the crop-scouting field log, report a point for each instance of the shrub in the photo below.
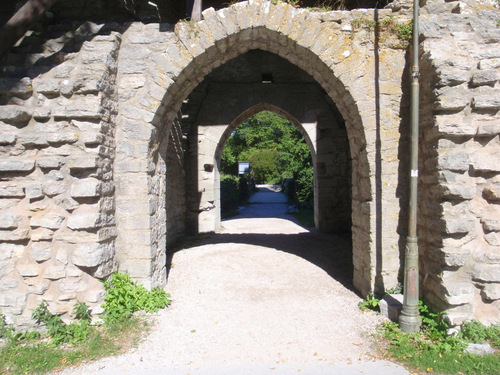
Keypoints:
(229, 192)
(125, 297)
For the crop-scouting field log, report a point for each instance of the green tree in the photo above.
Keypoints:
(276, 150)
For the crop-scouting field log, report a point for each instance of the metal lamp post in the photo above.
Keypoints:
(409, 319)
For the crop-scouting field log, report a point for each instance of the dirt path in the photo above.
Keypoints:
(264, 294)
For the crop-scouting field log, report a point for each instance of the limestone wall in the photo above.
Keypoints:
(57, 125)
(95, 159)
(459, 212)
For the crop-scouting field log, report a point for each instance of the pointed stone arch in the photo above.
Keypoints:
(347, 72)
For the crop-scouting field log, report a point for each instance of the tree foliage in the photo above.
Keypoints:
(275, 149)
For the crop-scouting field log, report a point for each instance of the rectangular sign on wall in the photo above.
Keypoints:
(243, 167)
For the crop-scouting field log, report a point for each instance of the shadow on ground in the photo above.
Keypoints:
(332, 253)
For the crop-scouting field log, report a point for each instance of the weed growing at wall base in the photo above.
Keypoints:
(62, 344)
(434, 351)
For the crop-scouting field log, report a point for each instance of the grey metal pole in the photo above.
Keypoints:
(409, 319)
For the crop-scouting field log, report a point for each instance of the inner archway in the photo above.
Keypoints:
(277, 155)
(235, 91)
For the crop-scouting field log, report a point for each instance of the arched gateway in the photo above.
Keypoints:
(111, 135)
(340, 106)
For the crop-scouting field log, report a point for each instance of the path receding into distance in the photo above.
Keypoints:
(263, 296)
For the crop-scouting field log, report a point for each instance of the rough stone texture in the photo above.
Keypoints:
(56, 161)
(103, 155)
(459, 163)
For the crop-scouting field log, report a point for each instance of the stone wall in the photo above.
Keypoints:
(96, 155)
(459, 213)
(57, 125)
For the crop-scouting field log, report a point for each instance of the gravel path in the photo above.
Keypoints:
(264, 294)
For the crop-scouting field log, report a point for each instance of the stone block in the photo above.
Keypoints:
(488, 128)
(15, 114)
(49, 162)
(455, 256)
(41, 251)
(33, 140)
(12, 191)
(67, 285)
(6, 267)
(459, 191)
(83, 163)
(91, 254)
(61, 138)
(84, 221)
(54, 272)
(9, 220)
(7, 139)
(489, 273)
(450, 76)
(7, 284)
(42, 234)
(94, 296)
(480, 349)
(491, 292)
(492, 193)
(457, 161)
(86, 188)
(16, 165)
(455, 126)
(9, 250)
(491, 224)
(17, 87)
(92, 139)
(42, 114)
(18, 234)
(88, 107)
(16, 300)
(485, 77)
(458, 293)
(54, 188)
(492, 238)
(487, 102)
(89, 85)
(489, 64)
(485, 161)
(48, 87)
(391, 306)
(68, 203)
(452, 99)
(28, 269)
(50, 220)
(34, 191)
(458, 225)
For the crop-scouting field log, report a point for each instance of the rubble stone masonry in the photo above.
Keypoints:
(98, 167)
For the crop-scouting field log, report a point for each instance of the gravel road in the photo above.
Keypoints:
(262, 296)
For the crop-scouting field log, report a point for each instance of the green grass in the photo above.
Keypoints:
(443, 355)
(40, 356)
(432, 350)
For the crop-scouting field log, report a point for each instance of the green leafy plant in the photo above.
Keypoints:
(403, 30)
(6, 330)
(60, 332)
(125, 297)
(369, 303)
(432, 350)
(475, 332)
(32, 352)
